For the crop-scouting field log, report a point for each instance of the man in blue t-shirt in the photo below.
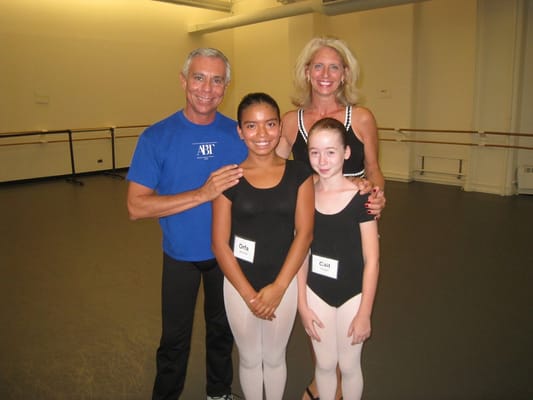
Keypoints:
(180, 164)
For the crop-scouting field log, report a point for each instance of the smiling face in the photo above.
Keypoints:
(259, 127)
(204, 88)
(325, 71)
(327, 152)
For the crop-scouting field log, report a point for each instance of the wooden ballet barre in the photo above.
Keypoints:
(70, 132)
(403, 130)
(32, 133)
(54, 131)
(505, 146)
(500, 133)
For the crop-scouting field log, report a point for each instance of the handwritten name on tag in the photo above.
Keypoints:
(244, 249)
(324, 266)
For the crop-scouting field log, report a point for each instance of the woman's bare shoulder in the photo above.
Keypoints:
(290, 116)
(362, 114)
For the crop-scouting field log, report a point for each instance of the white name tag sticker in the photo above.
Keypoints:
(324, 266)
(244, 249)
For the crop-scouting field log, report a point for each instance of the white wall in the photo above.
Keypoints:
(383, 42)
(83, 64)
(525, 118)
(498, 99)
(438, 64)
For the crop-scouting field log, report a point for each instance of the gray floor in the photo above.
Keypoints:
(79, 291)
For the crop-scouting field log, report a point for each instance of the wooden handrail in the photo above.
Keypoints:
(112, 137)
(402, 130)
(55, 131)
(471, 132)
(399, 130)
(500, 133)
(506, 146)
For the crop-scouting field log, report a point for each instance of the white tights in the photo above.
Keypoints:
(261, 343)
(335, 347)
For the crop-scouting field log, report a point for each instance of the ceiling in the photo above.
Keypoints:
(286, 8)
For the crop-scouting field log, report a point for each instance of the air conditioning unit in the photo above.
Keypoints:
(525, 179)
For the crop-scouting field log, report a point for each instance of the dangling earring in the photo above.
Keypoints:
(308, 79)
(342, 81)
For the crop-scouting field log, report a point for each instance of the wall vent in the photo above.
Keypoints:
(525, 179)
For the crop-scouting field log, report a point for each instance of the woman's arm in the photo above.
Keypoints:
(365, 125)
(304, 222)
(360, 328)
(289, 128)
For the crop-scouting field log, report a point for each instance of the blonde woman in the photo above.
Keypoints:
(325, 83)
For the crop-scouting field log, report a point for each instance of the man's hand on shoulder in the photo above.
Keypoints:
(220, 180)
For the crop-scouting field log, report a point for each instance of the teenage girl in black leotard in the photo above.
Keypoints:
(337, 286)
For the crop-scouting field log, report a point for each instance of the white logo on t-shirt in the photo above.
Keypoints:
(205, 151)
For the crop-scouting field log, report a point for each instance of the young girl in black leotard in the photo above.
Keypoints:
(337, 283)
(262, 229)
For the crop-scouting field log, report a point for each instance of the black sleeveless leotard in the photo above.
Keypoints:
(338, 237)
(354, 166)
(266, 217)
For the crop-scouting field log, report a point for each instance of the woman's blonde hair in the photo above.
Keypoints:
(347, 92)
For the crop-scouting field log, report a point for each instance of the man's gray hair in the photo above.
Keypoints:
(207, 52)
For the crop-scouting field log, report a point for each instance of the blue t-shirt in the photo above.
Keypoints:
(176, 155)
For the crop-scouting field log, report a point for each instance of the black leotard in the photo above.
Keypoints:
(266, 217)
(354, 166)
(338, 237)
